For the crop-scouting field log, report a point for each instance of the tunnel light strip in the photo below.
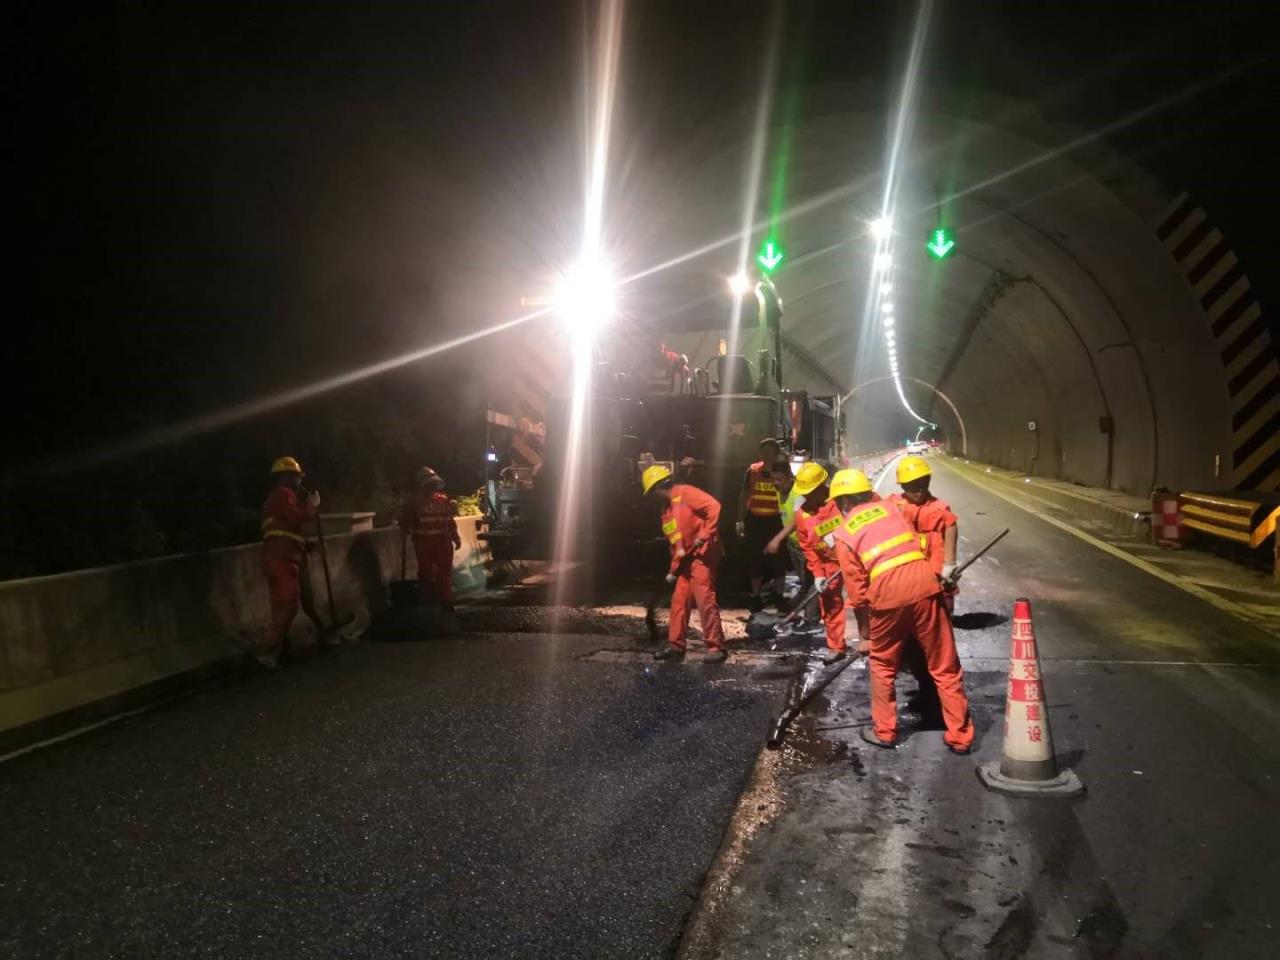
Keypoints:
(882, 226)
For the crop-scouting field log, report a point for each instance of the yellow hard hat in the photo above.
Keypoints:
(912, 468)
(653, 476)
(286, 465)
(848, 482)
(809, 478)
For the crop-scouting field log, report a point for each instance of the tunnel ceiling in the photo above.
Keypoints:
(1063, 303)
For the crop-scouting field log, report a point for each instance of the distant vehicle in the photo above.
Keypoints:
(935, 443)
(918, 447)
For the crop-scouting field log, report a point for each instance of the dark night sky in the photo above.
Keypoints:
(216, 200)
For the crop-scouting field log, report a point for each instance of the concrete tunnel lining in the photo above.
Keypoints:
(1095, 321)
(1099, 322)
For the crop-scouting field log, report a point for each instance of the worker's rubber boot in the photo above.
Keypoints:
(669, 653)
(868, 734)
(715, 656)
(833, 656)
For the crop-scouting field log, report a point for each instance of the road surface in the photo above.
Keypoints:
(517, 793)
(488, 796)
(1166, 706)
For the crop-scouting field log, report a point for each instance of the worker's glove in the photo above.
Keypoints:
(698, 544)
(671, 578)
(740, 528)
(948, 571)
(457, 543)
(820, 583)
(314, 498)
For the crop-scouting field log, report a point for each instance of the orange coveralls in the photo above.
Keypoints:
(815, 531)
(429, 518)
(885, 570)
(930, 519)
(283, 544)
(693, 515)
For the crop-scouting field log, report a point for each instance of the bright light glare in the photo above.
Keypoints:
(886, 289)
(886, 307)
(883, 261)
(882, 228)
(888, 323)
(585, 296)
(739, 284)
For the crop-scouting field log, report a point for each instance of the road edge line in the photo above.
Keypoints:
(1227, 606)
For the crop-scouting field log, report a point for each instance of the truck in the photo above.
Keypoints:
(704, 422)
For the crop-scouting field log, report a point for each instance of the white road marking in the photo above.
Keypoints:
(884, 473)
(1237, 610)
(79, 731)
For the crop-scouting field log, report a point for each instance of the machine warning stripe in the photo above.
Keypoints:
(1234, 315)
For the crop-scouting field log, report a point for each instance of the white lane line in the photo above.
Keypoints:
(1085, 661)
(1227, 606)
(884, 473)
(1243, 691)
(79, 731)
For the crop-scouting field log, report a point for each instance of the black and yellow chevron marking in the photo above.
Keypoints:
(1218, 281)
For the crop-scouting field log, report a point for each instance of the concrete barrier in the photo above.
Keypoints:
(1119, 513)
(77, 646)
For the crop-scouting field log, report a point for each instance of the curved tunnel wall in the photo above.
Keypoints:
(1065, 302)
(1093, 327)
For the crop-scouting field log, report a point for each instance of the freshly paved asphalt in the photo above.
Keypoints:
(1165, 706)
(486, 796)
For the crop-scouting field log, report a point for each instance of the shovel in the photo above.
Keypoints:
(800, 696)
(334, 624)
(761, 629)
(405, 593)
(651, 605)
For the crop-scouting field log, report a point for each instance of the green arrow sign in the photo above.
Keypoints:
(940, 243)
(769, 257)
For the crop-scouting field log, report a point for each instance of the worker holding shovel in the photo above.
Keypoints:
(283, 546)
(689, 521)
(886, 572)
(816, 518)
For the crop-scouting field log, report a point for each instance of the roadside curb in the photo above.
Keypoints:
(1120, 520)
(980, 478)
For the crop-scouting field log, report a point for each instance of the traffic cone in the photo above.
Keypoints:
(1027, 767)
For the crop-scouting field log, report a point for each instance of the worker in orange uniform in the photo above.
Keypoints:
(283, 547)
(886, 572)
(815, 520)
(689, 522)
(931, 518)
(427, 516)
(759, 519)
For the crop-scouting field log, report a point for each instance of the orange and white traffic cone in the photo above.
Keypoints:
(1027, 767)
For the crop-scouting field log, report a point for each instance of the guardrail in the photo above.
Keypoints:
(1247, 519)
